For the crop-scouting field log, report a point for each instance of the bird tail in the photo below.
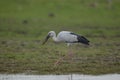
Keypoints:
(83, 40)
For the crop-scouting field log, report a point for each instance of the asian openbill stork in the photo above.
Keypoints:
(66, 37)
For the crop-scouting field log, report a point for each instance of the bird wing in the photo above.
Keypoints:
(66, 36)
(81, 39)
(70, 37)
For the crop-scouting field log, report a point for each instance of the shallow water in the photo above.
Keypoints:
(59, 77)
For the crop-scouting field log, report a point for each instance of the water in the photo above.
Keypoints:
(59, 77)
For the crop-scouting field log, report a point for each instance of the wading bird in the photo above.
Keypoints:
(66, 37)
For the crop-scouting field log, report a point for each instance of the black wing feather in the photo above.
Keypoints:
(81, 39)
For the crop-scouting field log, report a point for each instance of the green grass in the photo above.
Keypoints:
(32, 58)
(25, 23)
(68, 15)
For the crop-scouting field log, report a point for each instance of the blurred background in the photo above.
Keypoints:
(25, 23)
(33, 18)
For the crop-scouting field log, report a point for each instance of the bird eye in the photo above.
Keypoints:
(49, 33)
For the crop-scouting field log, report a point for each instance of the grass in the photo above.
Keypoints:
(25, 23)
(32, 58)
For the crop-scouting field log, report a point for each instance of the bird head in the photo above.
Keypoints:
(50, 34)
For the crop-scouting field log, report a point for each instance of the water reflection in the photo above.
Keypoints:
(59, 77)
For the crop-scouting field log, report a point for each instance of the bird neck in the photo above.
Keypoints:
(55, 38)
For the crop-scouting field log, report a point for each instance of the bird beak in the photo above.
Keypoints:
(46, 39)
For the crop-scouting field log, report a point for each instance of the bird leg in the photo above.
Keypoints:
(70, 54)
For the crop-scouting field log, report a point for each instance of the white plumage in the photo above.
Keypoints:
(67, 37)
